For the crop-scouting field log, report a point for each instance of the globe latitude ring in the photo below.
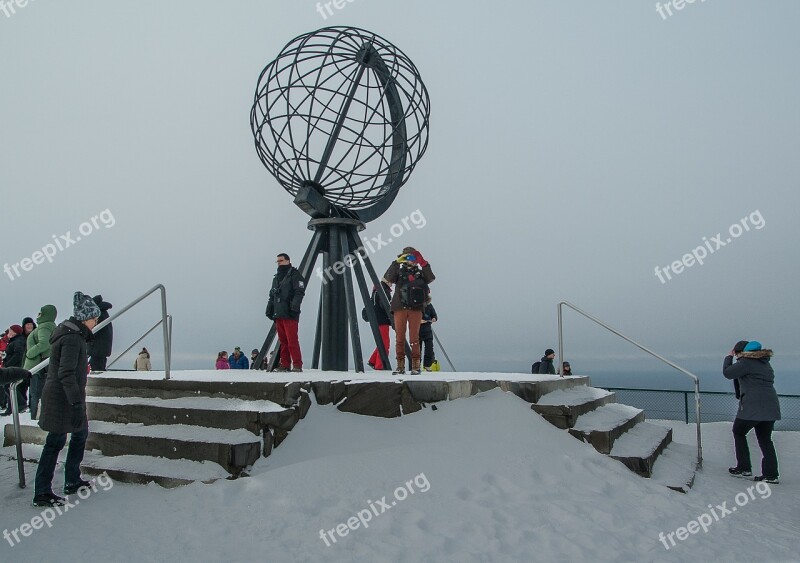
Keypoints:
(340, 119)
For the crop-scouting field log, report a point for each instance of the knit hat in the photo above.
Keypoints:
(549, 351)
(85, 307)
(753, 346)
(739, 347)
(255, 351)
(16, 329)
(27, 320)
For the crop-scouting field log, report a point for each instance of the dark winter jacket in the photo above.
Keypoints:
(10, 375)
(758, 400)
(546, 366)
(426, 329)
(66, 377)
(241, 363)
(286, 295)
(380, 312)
(406, 276)
(15, 352)
(39, 339)
(100, 345)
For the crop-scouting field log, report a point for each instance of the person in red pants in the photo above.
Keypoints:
(283, 307)
(384, 324)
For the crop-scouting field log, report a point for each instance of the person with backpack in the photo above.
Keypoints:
(759, 409)
(426, 334)
(384, 324)
(99, 347)
(545, 365)
(411, 274)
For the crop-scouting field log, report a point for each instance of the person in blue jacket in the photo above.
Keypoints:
(237, 360)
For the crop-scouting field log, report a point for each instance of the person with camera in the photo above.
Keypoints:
(283, 307)
(411, 274)
(759, 409)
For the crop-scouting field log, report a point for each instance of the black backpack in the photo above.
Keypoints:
(535, 367)
(413, 293)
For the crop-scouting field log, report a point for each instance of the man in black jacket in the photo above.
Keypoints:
(283, 307)
(546, 363)
(63, 408)
(99, 347)
(15, 355)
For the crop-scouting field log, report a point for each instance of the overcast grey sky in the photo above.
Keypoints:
(574, 147)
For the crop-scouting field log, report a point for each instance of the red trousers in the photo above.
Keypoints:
(290, 345)
(375, 358)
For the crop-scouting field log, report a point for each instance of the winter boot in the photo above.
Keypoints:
(47, 500)
(401, 367)
(73, 488)
(414, 367)
(736, 472)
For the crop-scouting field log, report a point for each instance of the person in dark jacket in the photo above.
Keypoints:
(64, 402)
(15, 356)
(759, 408)
(38, 350)
(566, 369)
(283, 307)
(237, 360)
(411, 273)
(384, 324)
(99, 347)
(546, 363)
(426, 334)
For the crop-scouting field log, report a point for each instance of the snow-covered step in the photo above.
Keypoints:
(676, 467)
(145, 469)
(562, 407)
(232, 449)
(639, 447)
(213, 412)
(605, 424)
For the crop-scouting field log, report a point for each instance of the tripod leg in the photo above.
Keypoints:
(318, 334)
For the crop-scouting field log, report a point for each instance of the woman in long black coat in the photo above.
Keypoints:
(64, 402)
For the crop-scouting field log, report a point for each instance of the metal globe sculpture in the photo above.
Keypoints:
(343, 112)
(340, 119)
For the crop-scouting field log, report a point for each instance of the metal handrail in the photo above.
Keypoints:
(142, 337)
(17, 432)
(666, 361)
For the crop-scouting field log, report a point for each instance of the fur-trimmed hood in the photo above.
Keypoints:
(758, 354)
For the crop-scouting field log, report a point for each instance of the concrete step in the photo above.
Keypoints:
(283, 393)
(676, 467)
(605, 424)
(562, 407)
(639, 447)
(540, 385)
(231, 414)
(234, 450)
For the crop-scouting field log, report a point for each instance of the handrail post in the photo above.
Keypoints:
(17, 432)
(166, 332)
(643, 348)
(560, 342)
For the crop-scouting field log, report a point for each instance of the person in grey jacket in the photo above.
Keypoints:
(759, 408)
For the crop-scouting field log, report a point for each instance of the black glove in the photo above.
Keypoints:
(10, 375)
(78, 415)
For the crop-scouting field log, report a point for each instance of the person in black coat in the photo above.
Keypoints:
(283, 307)
(15, 356)
(99, 347)
(429, 317)
(384, 324)
(63, 408)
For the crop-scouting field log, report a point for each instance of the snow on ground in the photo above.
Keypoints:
(491, 481)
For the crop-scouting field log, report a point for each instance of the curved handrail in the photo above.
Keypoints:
(645, 349)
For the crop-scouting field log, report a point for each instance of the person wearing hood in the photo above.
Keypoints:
(38, 350)
(64, 403)
(759, 409)
(142, 361)
(99, 348)
(15, 354)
